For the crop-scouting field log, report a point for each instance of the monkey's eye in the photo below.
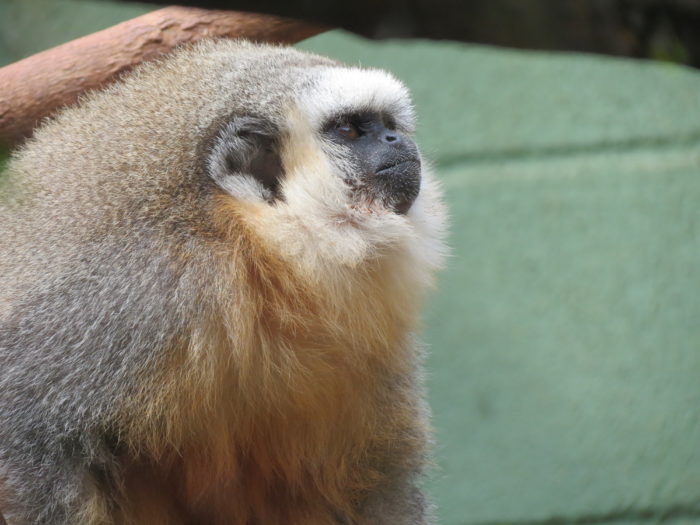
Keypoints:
(347, 129)
(352, 126)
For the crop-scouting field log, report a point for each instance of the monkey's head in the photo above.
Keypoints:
(326, 163)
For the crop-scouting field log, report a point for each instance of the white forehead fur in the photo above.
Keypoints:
(335, 89)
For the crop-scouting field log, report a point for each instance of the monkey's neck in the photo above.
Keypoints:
(287, 417)
(286, 391)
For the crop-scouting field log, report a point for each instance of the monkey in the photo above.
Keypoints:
(211, 276)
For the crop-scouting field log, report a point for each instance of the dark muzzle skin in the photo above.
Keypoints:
(390, 167)
(387, 161)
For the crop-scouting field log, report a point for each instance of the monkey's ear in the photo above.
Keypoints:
(244, 159)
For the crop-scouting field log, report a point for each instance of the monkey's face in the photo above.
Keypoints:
(388, 166)
(362, 121)
(333, 156)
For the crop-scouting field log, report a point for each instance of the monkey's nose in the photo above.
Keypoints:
(391, 136)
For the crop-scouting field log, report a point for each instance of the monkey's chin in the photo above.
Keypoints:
(402, 205)
(398, 186)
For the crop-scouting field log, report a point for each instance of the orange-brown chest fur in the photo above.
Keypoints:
(281, 406)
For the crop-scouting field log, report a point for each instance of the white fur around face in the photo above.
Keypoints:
(320, 226)
(244, 187)
(334, 89)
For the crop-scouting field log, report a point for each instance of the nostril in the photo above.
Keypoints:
(391, 137)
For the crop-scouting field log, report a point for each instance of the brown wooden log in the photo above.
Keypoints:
(34, 88)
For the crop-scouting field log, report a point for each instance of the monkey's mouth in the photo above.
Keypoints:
(398, 184)
(406, 165)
